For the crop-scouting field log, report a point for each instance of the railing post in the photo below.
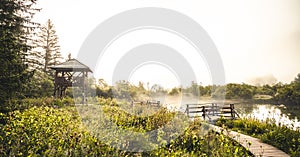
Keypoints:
(187, 110)
(203, 112)
(213, 108)
(232, 111)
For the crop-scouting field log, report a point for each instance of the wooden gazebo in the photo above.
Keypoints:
(71, 73)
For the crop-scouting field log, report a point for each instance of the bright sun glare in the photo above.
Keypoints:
(152, 73)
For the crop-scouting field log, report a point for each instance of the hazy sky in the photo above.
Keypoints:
(255, 38)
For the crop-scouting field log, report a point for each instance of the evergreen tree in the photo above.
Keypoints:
(34, 59)
(47, 51)
(15, 27)
(297, 79)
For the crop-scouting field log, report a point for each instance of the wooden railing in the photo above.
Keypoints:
(148, 102)
(211, 109)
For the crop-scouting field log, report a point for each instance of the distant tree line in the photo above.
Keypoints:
(278, 93)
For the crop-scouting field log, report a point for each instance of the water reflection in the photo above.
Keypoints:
(273, 113)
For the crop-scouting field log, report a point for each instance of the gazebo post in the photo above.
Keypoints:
(55, 86)
(83, 88)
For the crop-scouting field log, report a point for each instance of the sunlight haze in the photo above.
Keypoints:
(254, 38)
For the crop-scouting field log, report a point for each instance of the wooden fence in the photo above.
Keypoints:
(148, 102)
(211, 109)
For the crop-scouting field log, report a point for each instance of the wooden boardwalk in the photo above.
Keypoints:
(255, 146)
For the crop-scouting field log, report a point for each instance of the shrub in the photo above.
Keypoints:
(27, 103)
(58, 131)
(48, 132)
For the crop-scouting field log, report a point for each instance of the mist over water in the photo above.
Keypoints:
(179, 102)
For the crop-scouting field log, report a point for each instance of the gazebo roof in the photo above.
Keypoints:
(71, 65)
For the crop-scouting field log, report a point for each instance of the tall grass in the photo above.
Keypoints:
(44, 130)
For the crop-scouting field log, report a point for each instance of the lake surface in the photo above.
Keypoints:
(275, 113)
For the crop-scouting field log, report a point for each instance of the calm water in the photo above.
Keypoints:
(275, 113)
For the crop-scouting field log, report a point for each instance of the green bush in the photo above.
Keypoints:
(284, 138)
(146, 123)
(48, 132)
(193, 143)
(16, 104)
(58, 131)
(108, 101)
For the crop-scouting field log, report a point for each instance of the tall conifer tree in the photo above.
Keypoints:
(15, 27)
